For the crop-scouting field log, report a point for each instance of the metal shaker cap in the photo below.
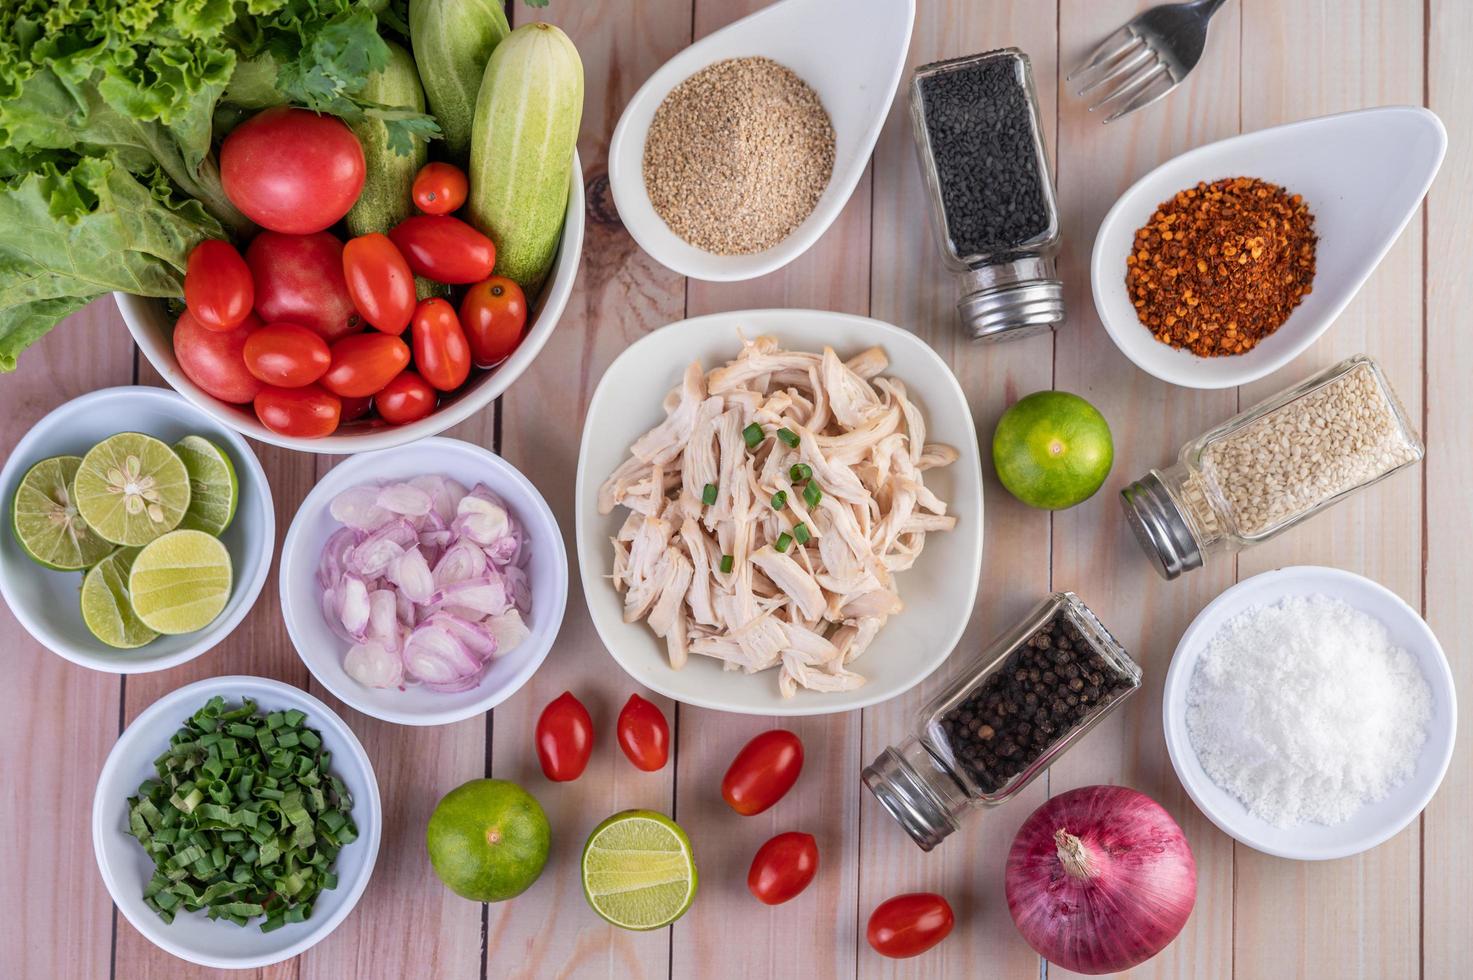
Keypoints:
(1160, 527)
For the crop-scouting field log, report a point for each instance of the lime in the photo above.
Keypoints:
(213, 488)
(638, 870)
(488, 840)
(180, 582)
(47, 525)
(131, 488)
(106, 608)
(1052, 450)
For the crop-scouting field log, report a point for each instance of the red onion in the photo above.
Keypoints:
(1100, 879)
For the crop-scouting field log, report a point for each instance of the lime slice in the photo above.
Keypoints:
(106, 608)
(213, 488)
(638, 870)
(131, 488)
(180, 582)
(47, 525)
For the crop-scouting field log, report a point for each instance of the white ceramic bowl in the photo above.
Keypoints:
(153, 330)
(851, 52)
(322, 650)
(126, 867)
(47, 603)
(938, 591)
(1362, 174)
(1373, 824)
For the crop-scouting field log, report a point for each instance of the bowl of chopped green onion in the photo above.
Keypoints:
(236, 822)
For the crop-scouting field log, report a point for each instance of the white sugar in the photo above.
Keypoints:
(1306, 711)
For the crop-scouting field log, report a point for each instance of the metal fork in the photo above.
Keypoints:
(1146, 58)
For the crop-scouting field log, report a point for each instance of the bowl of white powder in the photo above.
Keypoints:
(1309, 713)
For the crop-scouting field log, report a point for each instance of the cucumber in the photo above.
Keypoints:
(526, 128)
(453, 40)
(385, 201)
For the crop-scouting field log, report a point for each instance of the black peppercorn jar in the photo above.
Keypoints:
(1031, 696)
(993, 206)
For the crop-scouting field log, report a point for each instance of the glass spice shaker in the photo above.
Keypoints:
(1271, 467)
(993, 208)
(1033, 693)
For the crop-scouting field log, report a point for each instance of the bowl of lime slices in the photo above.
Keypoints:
(140, 530)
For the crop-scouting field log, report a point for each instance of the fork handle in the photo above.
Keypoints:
(1209, 7)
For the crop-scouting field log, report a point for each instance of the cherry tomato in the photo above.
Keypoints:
(439, 188)
(564, 738)
(215, 360)
(783, 867)
(309, 411)
(406, 398)
(217, 286)
(643, 734)
(363, 363)
(291, 170)
(762, 772)
(440, 351)
(908, 925)
(379, 281)
(286, 355)
(444, 249)
(299, 279)
(493, 314)
(354, 409)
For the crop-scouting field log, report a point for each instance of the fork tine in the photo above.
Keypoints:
(1142, 100)
(1085, 78)
(1131, 86)
(1103, 52)
(1120, 69)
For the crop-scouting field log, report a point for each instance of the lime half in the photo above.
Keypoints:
(213, 488)
(180, 582)
(638, 870)
(106, 608)
(131, 488)
(47, 524)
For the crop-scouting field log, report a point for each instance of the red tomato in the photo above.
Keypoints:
(643, 734)
(291, 170)
(406, 398)
(354, 409)
(908, 925)
(783, 867)
(564, 738)
(444, 249)
(379, 281)
(363, 363)
(763, 771)
(493, 314)
(217, 286)
(215, 360)
(440, 351)
(439, 188)
(299, 279)
(309, 412)
(286, 355)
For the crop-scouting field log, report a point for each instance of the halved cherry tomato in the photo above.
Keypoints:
(405, 399)
(217, 286)
(354, 409)
(299, 279)
(364, 363)
(440, 351)
(493, 314)
(763, 771)
(444, 249)
(286, 355)
(215, 360)
(783, 867)
(908, 925)
(439, 188)
(379, 281)
(564, 738)
(308, 411)
(643, 734)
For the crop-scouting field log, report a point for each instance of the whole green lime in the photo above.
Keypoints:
(488, 840)
(1052, 450)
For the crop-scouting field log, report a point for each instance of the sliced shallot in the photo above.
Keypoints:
(373, 664)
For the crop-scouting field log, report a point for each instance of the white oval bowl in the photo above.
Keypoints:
(48, 603)
(1363, 175)
(126, 867)
(1372, 824)
(322, 650)
(938, 591)
(152, 328)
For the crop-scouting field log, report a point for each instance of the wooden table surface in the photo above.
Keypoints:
(1399, 911)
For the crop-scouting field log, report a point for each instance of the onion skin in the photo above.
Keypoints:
(1100, 879)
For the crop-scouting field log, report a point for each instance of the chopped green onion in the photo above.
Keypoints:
(782, 542)
(801, 534)
(753, 435)
(708, 495)
(779, 500)
(788, 436)
(812, 494)
(726, 564)
(799, 472)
